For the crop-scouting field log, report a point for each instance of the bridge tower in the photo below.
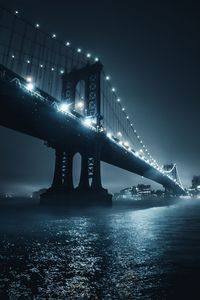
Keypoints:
(172, 170)
(90, 186)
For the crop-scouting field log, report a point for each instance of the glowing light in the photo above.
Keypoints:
(79, 50)
(113, 89)
(88, 55)
(52, 69)
(41, 66)
(135, 131)
(94, 121)
(119, 133)
(13, 56)
(28, 61)
(29, 79)
(123, 108)
(64, 107)
(107, 77)
(96, 59)
(68, 44)
(126, 144)
(62, 71)
(131, 124)
(37, 25)
(53, 35)
(120, 143)
(87, 122)
(118, 99)
(80, 105)
(30, 86)
(109, 135)
(129, 148)
(127, 117)
(16, 12)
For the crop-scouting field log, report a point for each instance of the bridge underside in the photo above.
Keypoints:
(25, 113)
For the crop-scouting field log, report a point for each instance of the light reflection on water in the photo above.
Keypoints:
(108, 254)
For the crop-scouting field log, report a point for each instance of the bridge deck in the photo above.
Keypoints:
(27, 113)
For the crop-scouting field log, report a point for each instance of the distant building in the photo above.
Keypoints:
(196, 182)
(144, 190)
(139, 192)
(195, 188)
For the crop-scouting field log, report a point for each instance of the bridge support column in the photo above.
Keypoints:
(90, 187)
(91, 169)
(62, 180)
(169, 192)
(96, 176)
(62, 184)
(84, 178)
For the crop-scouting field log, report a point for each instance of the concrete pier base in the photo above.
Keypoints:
(77, 198)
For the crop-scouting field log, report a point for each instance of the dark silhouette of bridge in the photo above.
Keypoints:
(63, 96)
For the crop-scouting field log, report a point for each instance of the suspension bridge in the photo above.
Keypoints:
(62, 95)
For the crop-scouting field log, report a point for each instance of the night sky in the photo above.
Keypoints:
(152, 52)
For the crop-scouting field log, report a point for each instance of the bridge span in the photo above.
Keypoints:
(72, 107)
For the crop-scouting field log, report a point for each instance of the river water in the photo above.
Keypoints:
(119, 253)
